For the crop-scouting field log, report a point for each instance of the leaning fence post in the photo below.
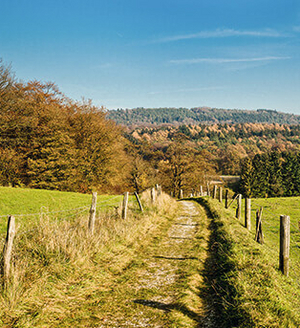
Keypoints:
(248, 213)
(233, 199)
(220, 194)
(93, 213)
(259, 237)
(139, 201)
(226, 198)
(125, 205)
(284, 251)
(239, 207)
(11, 231)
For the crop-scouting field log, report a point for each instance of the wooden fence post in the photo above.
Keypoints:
(226, 198)
(208, 191)
(259, 237)
(233, 199)
(239, 207)
(139, 201)
(125, 205)
(220, 194)
(181, 194)
(159, 191)
(284, 252)
(93, 213)
(7, 251)
(153, 195)
(215, 192)
(248, 213)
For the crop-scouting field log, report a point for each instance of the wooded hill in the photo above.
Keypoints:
(178, 116)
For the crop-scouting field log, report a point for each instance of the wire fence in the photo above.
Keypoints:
(113, 204)
(25, 220)
(109, 206)
(272, 210)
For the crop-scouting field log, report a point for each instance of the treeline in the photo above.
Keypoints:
(274, 174)
(179, 116)
(49, 141)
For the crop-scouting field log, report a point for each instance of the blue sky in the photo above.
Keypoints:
(168, 53)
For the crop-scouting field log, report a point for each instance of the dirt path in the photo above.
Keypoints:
(165, 289)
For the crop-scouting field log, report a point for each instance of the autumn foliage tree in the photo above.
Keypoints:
(100, 155)
(183, 167)
(48, 141)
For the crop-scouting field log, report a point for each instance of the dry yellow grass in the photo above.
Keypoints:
(58, 267)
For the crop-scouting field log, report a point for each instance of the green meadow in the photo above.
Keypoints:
(29, 204)
(272, 209)
(262, 294)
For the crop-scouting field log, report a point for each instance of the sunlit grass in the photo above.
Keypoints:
(64, 277)
(270, 298)
(28, 205)
(272, 209)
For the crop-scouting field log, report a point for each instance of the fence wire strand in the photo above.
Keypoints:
(67, 213)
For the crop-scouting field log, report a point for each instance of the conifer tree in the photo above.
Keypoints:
(247, 177)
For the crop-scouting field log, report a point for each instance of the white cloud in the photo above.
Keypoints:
(223, 33)
(103, 66)
(226, 60)
(186, 90)
(296, 29)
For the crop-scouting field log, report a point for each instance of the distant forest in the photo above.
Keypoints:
(226, 144)
(179, 116)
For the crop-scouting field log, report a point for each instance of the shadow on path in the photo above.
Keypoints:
(175, 258)
(219, 294)
(168, 307)
(187, 224)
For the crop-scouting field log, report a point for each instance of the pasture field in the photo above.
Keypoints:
(253, 288)
(29, 204)
(272, 209)
(271, 299)
(64, 276)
